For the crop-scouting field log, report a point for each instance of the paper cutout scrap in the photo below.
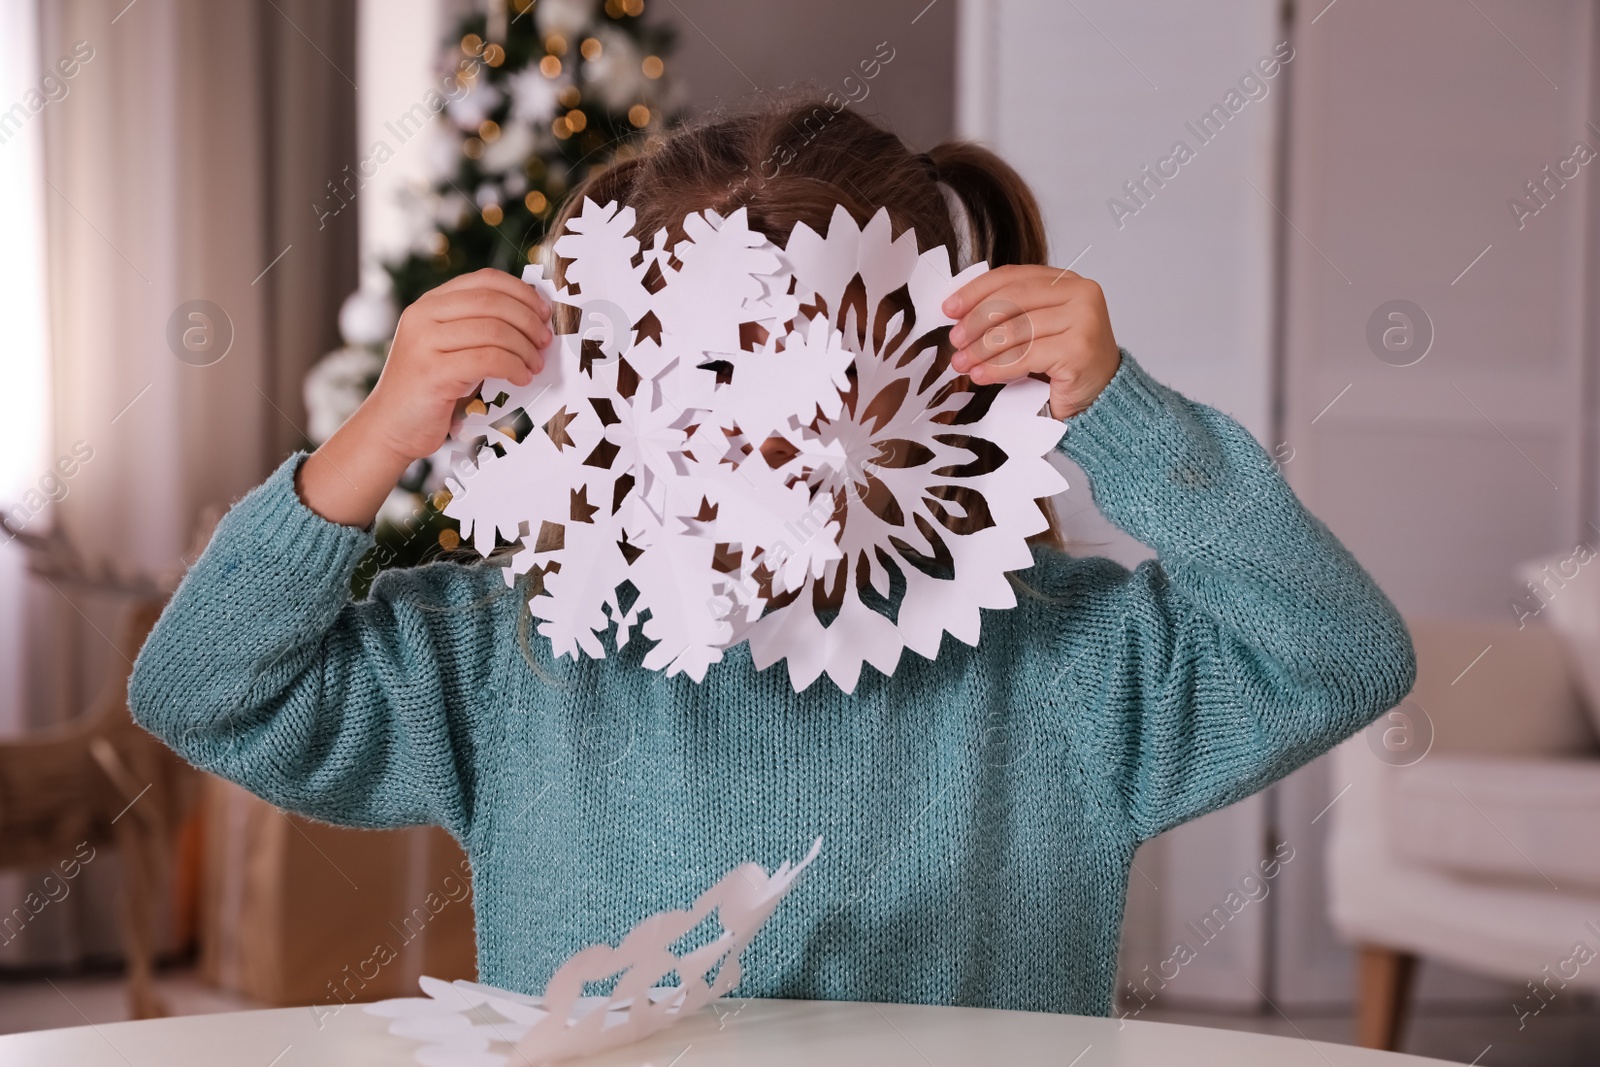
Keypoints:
(754, 443)
(459, 1023)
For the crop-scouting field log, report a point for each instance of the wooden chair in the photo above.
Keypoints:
(102, 780)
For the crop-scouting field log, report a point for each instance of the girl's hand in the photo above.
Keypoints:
(1016, 320)
(486, 324)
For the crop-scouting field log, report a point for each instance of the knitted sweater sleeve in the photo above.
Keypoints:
(1252, 644)
(262, 669)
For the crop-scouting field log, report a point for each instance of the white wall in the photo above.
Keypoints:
(728, 50)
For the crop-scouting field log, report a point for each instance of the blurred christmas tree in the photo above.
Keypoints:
(546, 91)
(559, 86)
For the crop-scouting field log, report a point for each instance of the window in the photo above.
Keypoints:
(24, 365)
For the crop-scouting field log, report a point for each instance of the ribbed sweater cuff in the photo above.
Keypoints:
(1120, 424)
(271, 529)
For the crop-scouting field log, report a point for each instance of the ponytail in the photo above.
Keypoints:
(1006, 224)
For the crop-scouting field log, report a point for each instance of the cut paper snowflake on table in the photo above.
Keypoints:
(466, 1024)
(742, 442)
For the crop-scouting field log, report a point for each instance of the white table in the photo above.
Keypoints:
(750, 1033)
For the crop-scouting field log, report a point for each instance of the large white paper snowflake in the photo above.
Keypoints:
(747, 442)
(465, 1024)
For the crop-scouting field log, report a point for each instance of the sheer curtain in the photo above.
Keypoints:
(182, 171)
(25, 481)
(24, 398)
(180, 175)
(180, 162)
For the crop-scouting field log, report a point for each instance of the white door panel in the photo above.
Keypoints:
(1411, 126)
(1080, 98)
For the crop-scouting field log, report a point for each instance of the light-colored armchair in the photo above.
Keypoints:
(1477, 846)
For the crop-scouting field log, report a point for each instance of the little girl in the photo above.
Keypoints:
(980, 810)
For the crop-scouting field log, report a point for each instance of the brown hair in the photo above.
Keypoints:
(792, 161)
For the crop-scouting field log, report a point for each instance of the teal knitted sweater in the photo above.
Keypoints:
(980, 809)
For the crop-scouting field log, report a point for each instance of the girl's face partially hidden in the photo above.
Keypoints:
(776, 451)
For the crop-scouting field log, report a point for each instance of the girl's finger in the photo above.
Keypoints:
(483, 332)
(981, 288)
(1035, 292)
(499, 281)
(1037, 359)
(469, 366)
(491, 303)
(1010, 339)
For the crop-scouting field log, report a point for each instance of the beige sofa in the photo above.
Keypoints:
(1469, 826)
